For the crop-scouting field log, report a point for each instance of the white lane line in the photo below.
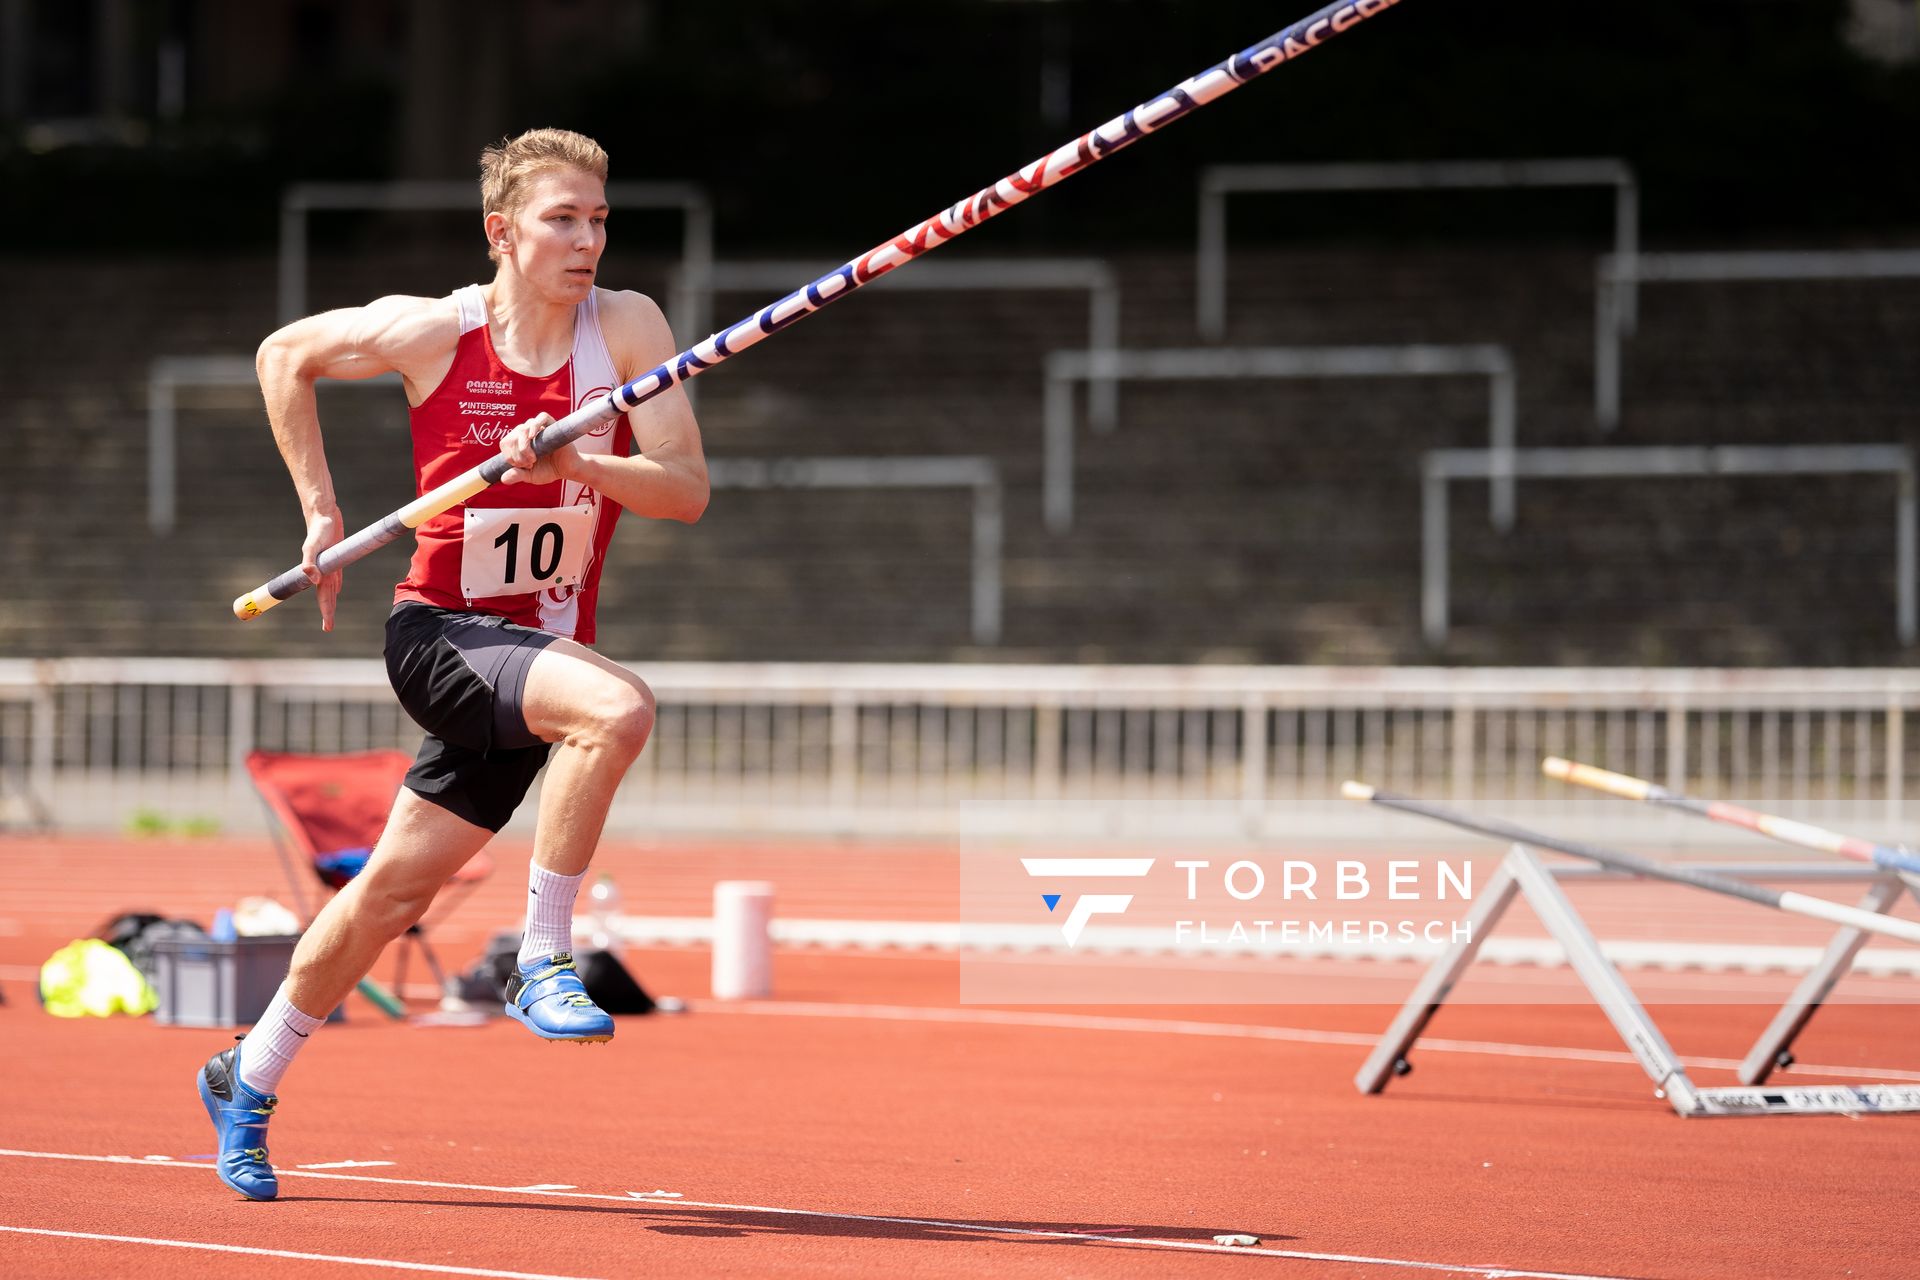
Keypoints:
(438, 1269)
(1240, 1031)
(981, 1228)
(347, 1164)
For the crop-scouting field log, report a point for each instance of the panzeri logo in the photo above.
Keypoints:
(488, 387)
(1089, 905)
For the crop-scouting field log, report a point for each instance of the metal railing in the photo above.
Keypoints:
(977, 474)
(1071, 752)
(998, 275)
(1064, 368)
(1620, 277)
(1439, 467)
(167, 376)
(1219, 181)
(417, 195)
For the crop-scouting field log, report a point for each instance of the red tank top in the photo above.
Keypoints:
(460, 426)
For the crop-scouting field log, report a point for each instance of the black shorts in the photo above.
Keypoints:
(461, 676)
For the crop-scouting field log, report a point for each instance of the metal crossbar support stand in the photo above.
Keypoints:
(1522, 872)
(1390, 1055)
(1774, 1047)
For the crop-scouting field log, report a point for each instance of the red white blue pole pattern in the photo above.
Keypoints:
(1783, 900)
(1786, 830)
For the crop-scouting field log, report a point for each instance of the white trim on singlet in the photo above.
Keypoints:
(471, 303)
(600, 351)
(593, 376)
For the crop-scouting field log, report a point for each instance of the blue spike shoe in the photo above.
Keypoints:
(548, 998)
(239, 1118)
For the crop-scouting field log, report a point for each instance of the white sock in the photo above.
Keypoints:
(549, 913)
(268, 1049)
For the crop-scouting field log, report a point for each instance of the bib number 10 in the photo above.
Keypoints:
(543, 557)
(510, 551)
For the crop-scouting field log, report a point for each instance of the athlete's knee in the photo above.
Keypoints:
(394, 914)
(617, 722)
(623, 721)
(391, 900)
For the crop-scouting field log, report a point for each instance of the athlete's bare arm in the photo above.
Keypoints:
(414, 337)
(666, 476)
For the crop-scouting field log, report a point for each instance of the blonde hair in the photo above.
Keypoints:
(507, 166)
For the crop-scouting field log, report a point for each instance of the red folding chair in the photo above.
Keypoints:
(329, 810)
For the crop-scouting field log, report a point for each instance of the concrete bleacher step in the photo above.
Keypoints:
(1258, 521)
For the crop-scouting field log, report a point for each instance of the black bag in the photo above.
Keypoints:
(609, 983)
(124, 928)
(136, 931)
(605, 978)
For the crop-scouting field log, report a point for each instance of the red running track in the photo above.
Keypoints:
(863, 1124)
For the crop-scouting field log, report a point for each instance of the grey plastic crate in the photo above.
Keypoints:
(203, 983)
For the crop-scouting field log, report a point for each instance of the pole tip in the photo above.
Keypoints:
(1356, 791)
(247, 606)
(1555, 767)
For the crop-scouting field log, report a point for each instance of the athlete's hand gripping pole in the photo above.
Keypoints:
(1121, 131)
(427, 505)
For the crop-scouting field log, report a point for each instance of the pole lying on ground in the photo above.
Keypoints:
(1185, 97)
(1797, 903)
(1785, 830)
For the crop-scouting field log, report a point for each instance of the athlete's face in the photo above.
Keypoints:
(560, 233)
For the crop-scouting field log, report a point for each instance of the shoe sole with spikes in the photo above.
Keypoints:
(548, 998)
(514, 1012)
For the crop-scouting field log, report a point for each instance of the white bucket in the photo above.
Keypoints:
(742, 948)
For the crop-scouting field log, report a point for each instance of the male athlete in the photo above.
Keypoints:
(486, 645)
